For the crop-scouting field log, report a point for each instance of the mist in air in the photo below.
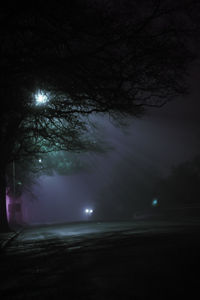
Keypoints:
(119, 183)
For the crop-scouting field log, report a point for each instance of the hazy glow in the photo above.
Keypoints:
(155, 202)
(41, 98)
(88, 211)
(7, 207)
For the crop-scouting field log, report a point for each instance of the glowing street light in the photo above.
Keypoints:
(41, 98)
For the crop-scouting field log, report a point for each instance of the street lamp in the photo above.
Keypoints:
(41, 98)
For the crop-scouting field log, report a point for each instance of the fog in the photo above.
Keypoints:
(121, 181)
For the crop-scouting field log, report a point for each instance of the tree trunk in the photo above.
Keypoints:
(4, 226)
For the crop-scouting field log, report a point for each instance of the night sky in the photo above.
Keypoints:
(144, 150)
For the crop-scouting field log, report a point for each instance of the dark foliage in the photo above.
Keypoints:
(182, 186)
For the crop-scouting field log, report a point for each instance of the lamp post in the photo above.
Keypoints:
(14, 178)
(12, 199)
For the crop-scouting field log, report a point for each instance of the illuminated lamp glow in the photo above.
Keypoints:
(41, 98)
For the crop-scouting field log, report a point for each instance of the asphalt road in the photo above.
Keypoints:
(127, 260)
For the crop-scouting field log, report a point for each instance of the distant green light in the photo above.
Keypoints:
(155, 202)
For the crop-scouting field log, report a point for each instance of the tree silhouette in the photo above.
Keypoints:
(181, 187)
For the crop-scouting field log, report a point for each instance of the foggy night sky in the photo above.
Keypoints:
(150, 146)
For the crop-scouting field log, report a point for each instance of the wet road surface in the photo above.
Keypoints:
(117, 260)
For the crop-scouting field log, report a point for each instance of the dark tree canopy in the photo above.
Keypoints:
(182, 186)
(88, 56)
(21, 175)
